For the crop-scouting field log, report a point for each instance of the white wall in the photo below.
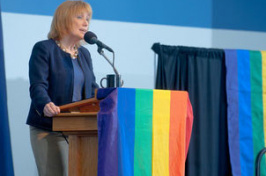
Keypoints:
(132, 44)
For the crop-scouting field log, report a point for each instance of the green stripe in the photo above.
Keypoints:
(143, 132)
(257, 105)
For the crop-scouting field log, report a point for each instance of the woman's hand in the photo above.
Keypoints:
(50, 109)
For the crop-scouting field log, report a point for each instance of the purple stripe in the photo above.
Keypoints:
(107, 136)
(232, 111)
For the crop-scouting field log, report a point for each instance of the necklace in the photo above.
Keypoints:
(73, 55)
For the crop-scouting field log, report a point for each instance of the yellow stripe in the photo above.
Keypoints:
(160, 137)
(263, 55)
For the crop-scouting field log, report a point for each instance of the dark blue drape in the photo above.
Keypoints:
(6, 162)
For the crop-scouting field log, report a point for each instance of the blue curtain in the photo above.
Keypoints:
(6, 162)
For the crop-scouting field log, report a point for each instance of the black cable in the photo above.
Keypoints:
(64, 136)
(259, 156)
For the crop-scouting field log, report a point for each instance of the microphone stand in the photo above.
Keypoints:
(101, 52)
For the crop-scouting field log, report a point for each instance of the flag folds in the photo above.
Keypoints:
(144, 132)
(246, 97)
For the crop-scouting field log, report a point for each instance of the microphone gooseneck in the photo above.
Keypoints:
(91, 38)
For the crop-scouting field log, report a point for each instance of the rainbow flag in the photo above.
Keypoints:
(144, 132)
(246, 97)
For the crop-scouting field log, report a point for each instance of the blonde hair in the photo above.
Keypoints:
(62, 20)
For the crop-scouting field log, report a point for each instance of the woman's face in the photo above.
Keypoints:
(80, 25)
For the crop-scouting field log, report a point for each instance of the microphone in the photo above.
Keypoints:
(91, 38)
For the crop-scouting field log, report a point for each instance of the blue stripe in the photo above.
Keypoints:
(6, 162)
(126, 131)
(245, 120)
(240, 15)
(45, 7)
(166, 12)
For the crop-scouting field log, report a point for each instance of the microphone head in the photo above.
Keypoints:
(90, 37)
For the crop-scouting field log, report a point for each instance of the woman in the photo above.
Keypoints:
(60, 72)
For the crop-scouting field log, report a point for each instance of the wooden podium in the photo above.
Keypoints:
(79, 122)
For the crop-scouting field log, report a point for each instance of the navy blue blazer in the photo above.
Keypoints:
(51, 77)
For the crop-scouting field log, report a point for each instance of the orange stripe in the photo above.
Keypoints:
(177, 136)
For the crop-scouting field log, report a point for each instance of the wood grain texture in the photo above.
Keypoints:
(78, 121)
